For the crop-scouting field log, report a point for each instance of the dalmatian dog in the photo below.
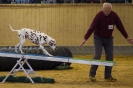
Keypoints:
(35, 37)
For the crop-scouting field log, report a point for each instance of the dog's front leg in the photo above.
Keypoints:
(44, 50)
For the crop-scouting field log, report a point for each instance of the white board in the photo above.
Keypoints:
(58, 59)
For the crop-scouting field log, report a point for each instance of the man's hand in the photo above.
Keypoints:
(130, 40)
(83, 42)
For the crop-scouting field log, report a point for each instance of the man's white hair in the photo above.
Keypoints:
(108, 4)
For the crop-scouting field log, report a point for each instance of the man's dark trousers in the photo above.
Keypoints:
(107, 44)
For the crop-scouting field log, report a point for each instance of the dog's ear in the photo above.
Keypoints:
(52, 42)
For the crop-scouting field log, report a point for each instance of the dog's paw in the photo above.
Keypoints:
(16, 51)
(22, 53)
(50, 55)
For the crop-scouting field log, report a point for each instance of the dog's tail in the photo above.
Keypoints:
(12, 28)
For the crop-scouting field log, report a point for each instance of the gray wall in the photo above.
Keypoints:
(89, 50)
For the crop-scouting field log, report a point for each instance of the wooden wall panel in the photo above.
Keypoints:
(124, 12)
(67, 23)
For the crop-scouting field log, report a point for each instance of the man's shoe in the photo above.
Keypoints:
(110, 79)
(93, 79)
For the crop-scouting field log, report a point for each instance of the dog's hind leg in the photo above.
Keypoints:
(16, 47)
(20, 44)
(44, 51)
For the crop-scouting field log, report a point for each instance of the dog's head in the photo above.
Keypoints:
(52, 44)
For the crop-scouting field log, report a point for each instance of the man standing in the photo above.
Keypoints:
(103, 26)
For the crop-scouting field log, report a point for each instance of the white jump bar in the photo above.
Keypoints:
(58, 59)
